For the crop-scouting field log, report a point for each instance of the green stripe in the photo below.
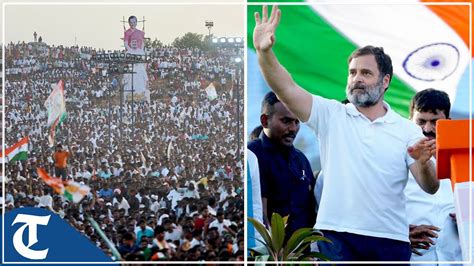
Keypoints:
(21, 156)
(62, 117)
(316, 55)
(68, 195)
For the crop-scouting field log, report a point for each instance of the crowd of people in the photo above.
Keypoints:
(165, 175)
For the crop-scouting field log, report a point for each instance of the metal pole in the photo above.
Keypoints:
(238, 114)
(122, 95)
(109, 118)
(133, 116)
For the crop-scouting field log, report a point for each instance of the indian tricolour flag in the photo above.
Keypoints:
(17, 152)
(428, 44)
(56, 108)
(211, 92)
(71, 190)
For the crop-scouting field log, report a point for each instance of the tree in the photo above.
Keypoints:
(155, 44)
(189, 40)
(208, 43)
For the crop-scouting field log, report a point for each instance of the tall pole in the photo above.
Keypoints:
(109, 118)
(133, 115)
(122, 96)
(209, 24)
(238, 112)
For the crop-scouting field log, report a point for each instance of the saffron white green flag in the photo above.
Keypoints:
(428, 44)
(56, 108)
(17, 152)
(211, 92)
(71, 190)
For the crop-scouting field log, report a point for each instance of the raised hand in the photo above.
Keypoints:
(423, 150)
(264, 32)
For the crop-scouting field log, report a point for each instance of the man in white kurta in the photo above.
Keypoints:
(430, 216)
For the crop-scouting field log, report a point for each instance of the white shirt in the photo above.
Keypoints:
(365, 165)
(155, 206)
(46, 200)
(256, 193)
(220, 226)
(86, 174)
(191, 194)
(173, 236)
(223, 196)
(424, 208)
(121, 204)
(174, 196)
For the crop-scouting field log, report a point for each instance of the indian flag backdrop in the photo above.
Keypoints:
(428, 46)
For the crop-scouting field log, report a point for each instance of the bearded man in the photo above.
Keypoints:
(366, 150)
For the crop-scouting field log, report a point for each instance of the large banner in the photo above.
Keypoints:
(134, 42)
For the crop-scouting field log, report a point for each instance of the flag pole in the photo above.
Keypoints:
(101, 233)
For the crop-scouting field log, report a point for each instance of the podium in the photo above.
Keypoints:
(453, 149)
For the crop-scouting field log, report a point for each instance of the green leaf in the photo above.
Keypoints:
(295, 240)
(285, 220)
(317, 255)
(306, 243)
(278, 232)
(264, 250)
(264, 233)
(316, 238)
(298, 252)
(260, 250)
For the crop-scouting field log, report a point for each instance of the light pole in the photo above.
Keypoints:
(238, 78)
(209, 24)
(105, 75)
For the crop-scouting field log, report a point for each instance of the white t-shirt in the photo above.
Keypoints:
(173, 236)
(220, 226)
(365, 165)
(424, 208)
(254, 173)
(47, 201)
(121, 204)
(174, 196)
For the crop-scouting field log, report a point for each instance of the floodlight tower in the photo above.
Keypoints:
(209, 24)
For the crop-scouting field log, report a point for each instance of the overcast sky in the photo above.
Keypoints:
(99, 25)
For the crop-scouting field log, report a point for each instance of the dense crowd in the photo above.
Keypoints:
(165, 176)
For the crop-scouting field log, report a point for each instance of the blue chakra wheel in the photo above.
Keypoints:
(432, 62)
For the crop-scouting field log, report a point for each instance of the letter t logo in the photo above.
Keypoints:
(30, 221)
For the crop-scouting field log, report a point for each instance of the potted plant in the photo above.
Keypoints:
(274, 246)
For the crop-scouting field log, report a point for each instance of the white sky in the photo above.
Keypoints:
(98, 25)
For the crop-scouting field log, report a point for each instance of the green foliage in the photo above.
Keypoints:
(190, 40)
(292, 250)
(153, 44)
